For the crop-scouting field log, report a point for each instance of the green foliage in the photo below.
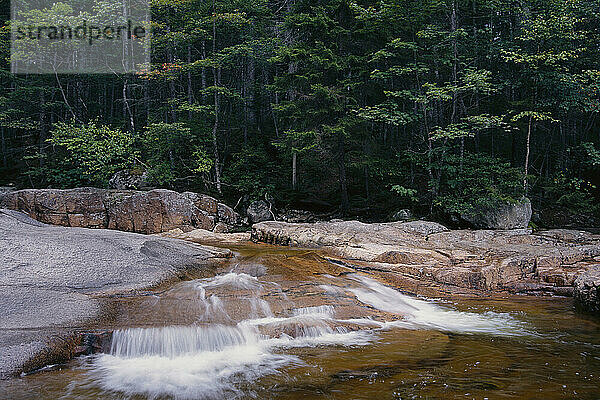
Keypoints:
(406, 194)
(435, 100)
(92, 153)
(477, 181)
(572, 193)
(253, 172)
(590, 155)
(170, 153)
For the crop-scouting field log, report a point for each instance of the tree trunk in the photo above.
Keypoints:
(294, 170)
(126, 107)
(527, 153)
(4, 157)
(216, 103)
(43, 129)
(190, 93)
(342, 172)
(203, 74)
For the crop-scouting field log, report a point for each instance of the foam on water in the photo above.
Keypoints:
(218, 361)
(232, 279)
(214, 361)
(202, 362)
(185, 362)
(421, 314)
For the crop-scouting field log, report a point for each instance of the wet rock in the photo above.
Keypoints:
(514, 260)
(587, 290)
(51, 276)
(129, 180)
(149, 212)
(252, 269)
(259, 211)
(500, 216)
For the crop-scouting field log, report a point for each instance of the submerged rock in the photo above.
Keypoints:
(130, 211)
(587, 289)
(51, 278)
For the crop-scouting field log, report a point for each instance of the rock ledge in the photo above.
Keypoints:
(150, 212)
(419, 252)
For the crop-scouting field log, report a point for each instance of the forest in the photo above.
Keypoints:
(359, 107)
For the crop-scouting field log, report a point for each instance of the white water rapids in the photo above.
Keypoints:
(212, 360)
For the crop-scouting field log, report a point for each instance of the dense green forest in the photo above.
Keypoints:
(365, 107)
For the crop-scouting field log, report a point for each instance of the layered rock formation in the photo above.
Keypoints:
(587, 290)
(516, 260)
(130, 211)
(53, 280)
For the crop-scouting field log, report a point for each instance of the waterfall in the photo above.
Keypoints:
(421, 314)
(211, 359)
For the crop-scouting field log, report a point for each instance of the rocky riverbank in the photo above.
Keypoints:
(52, 281)
(420, 252)
(54, 277)
(149, 212)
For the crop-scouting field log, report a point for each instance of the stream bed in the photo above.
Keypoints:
(286, 324)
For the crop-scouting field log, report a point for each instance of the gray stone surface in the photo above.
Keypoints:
(47, 274)
(515, 260)
(129, 180)
(259, 211)
(149, 212)
(587, 290)
(402, 216)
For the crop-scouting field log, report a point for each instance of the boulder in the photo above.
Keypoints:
(5, 190)
(129, 180)
(587, 290)
(402, 216)
(500, 216)
(149, 212)
(259, 211)
(296, 216)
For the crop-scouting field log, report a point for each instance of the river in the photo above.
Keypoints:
(287, 324)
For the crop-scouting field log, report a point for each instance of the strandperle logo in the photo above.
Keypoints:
(80, 36)
(91, 33)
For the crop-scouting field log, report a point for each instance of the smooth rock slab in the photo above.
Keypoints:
(48, 274)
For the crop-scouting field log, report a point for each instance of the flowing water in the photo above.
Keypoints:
(285, 324)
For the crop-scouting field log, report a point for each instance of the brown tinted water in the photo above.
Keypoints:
(237, 336)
